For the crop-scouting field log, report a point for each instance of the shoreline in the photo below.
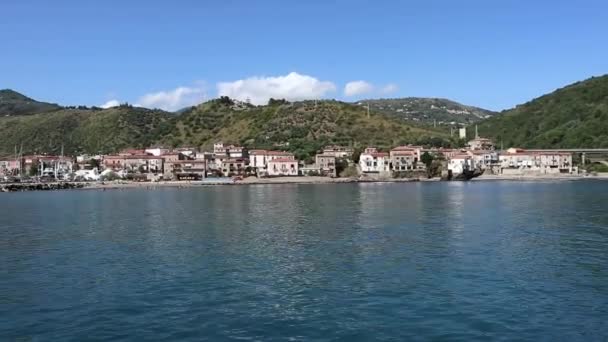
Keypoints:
(21, 187)
(557, 177)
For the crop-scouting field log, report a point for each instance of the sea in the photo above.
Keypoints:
(429, 261)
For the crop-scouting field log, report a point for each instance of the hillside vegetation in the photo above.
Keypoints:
(571, 117)
(12, 104)
(428, 110)
(301, 127)
(90, 131)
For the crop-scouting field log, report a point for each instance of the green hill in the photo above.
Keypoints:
(570, 117)
(428, 110)
(12, 103)
(91, 131)
(302, 127)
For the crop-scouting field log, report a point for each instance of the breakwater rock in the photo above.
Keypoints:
(39, 186)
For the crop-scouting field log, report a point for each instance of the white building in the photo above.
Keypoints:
(88, 175)
(283, 167)
(406, 158)
(459, 163)
(483, 159)
(259, 159)
(157, 151)
(374, 162)
(520, 161)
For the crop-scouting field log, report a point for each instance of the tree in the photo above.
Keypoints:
(341, 165)
(427, 159)
(357, 154)
(34, 170)
(94, 163)
(273, 102)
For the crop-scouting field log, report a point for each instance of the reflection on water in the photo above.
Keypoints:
(369, 261)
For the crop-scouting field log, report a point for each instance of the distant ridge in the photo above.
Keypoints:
(429, 110)
(13, 103)
(571, 117)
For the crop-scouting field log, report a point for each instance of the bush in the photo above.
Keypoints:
(349, 172)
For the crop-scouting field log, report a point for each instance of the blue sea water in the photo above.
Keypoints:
(344, 262)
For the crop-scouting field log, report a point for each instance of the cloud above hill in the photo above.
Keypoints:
(174, 99)
(355, 88)
(292, 87)
(110, 104)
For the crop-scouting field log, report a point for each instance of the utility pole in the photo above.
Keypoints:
(434, 123)
(368, 110)
(476, 133)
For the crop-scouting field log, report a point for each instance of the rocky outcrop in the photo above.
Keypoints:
(39, 186)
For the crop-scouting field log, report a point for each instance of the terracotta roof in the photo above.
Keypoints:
(461, 156)
(132, 156)
(283, 160)
(188, 162)
(270, 153)
(379, 154)
(403, 153)
(406, 148)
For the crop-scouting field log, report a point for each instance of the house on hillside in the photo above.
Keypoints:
(481, 144)
(338, 151)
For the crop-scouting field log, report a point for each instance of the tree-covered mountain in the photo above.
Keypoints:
(428, 110)
(570, 117)
(12, 103)
(301, 127)
(81, 130)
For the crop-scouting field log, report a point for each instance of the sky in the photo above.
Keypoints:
(172, 54)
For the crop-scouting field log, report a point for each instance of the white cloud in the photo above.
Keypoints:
(175, 99)
(110, 104)
(292, 86)
(389, 89)
(358, 88)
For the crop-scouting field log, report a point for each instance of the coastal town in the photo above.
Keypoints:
(237, 163)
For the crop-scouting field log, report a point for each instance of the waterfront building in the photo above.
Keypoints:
(282, 167)
(139, 163)
(483, 159)
(373, 162)
(10, 167)
(460, 163)
(230, 167)
(185, 169)
(405, 158)
(519, 161)
(259, 159)
(326, 163)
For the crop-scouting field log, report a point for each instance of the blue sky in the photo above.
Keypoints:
(493, 54)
